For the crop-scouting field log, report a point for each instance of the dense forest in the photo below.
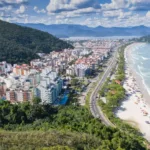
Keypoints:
(20, 44)
(25, 126)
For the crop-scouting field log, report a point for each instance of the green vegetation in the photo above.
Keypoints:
(72, 62)
(34, 126)
(87, 99)
(22, 113)
(53, 140)
(21, 44)
(78, 85)
(87, 55)
(143, 39)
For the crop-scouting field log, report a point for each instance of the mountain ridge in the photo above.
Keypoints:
(75, 30)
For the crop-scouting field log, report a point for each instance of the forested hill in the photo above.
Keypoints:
(20, 44)
(144, 39)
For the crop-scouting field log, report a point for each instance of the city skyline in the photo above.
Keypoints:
(119, 13)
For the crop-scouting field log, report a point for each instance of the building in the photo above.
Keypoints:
(47, 92)
(15, 96)
(22, 70)
(11, 96)
(5, 67)
(82, 70)
(49, 88)
(2, 89)
(70, 71)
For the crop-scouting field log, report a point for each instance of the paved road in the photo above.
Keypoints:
(95, 109)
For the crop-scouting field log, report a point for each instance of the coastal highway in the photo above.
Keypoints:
(95, 109)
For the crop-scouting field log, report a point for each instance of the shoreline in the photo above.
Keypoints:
(138, 78)
(135, 109)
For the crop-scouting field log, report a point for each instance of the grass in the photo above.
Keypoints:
(46, 140)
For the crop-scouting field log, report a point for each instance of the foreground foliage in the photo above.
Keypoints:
(51, 140)
(41, 121)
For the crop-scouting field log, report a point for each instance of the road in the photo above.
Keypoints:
(94, 107)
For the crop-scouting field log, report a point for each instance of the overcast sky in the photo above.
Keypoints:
(85, 12)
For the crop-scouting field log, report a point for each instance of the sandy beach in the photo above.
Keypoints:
(135, 109)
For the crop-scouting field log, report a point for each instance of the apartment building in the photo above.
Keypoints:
(15, 96)
(49, 88)
(82, 70)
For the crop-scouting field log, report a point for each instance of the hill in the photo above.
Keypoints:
(71, 30)
(20, 44)
(144, 39)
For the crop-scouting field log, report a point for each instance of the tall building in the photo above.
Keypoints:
(5, 67)
(2, 89)
(82, 70)
(49, 88)
(22, 70)
(34, 79)
(46, 92)
(15, 96)
(11, 96)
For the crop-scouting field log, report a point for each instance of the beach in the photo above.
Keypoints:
(135, 109)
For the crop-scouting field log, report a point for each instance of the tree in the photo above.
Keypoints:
(23, 45)
(36, 100)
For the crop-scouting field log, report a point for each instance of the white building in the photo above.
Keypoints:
(82, 70)
(49, 88)
(46, 92)
(5, 67)
(70, 71)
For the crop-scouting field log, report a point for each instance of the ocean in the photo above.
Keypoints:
(140, 55)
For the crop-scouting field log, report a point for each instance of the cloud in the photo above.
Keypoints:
(13, 10)
(85, 12)
(116, 13)
(38, 10)
(21, 9)
(13, 3)
(13, 7)
(139, 5)
(6, 9)
(57, 6)
(127, 4)
(148, 14)
(115, 4)
(64, 15)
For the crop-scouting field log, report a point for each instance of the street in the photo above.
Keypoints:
(95, 109)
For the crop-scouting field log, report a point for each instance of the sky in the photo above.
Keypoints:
(108, 13)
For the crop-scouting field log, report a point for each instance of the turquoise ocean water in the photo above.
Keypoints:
(140, 55)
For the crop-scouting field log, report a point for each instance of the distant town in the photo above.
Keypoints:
(44, 78)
